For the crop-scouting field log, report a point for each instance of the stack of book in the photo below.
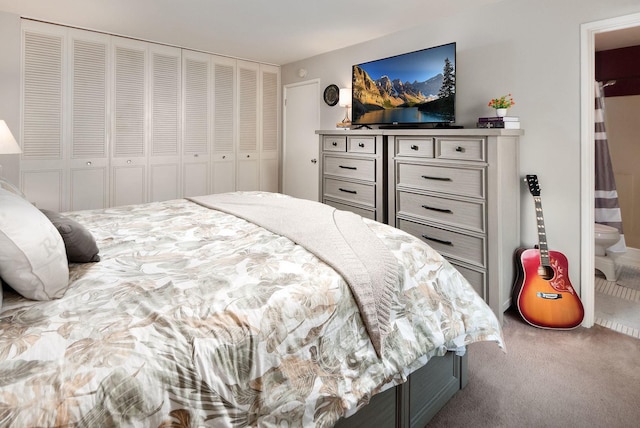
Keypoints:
(505, 122)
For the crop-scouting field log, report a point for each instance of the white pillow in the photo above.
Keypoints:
(33, 260)
(6, 185)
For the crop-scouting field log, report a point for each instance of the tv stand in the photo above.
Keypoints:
(362, 126)
(420, 126)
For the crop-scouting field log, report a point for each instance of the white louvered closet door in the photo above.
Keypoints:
(165, 123)
(196, 135)
(43, 163)
(129, 127)
(248, 163)
(269, 139)
(224, 125)
(88, 120)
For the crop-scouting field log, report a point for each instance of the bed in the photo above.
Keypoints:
(200, 312)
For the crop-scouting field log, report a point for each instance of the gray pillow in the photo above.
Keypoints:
(78, 241)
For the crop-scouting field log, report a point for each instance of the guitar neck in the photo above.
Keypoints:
(542, 234)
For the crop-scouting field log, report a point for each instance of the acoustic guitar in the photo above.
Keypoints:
(542, 290)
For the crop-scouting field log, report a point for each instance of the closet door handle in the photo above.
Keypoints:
(440, 210)
(427, 177)
(348, 167)
(353, 192)
(440, 241)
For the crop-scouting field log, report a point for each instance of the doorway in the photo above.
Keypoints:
(587, 77)
(300, 175)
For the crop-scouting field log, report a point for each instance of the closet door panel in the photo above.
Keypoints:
(248, 163)
(129, 126)
(165, 114)
(163, 181)
(128, 183)
(197, 90)
(269, 126)
(225, 124)
(88, 188)
(88, 120)
(43, 162)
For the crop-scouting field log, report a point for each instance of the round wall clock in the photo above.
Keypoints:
(331, 95)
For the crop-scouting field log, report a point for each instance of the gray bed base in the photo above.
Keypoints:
(415, 402)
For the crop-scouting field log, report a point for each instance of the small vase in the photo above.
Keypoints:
(501, 112)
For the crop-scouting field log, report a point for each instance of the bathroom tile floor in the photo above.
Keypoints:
(617, 304)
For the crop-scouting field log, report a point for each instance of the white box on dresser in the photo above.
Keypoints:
(456, 189)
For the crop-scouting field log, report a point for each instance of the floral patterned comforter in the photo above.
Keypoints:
(194, 317)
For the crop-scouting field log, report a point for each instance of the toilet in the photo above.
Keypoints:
(605, 237)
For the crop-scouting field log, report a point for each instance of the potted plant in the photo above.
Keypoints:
(501, 104)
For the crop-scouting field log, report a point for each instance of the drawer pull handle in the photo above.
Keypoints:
(334, 144)
(348, 167)
(441, 241)
(460, 149)
(440, 210)
(427, 177)
(353, 192)
(360, 144)
(414, 147)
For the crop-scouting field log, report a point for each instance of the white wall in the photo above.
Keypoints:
(10, 87)
(530, 48)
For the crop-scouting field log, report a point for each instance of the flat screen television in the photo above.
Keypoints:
(412, 89)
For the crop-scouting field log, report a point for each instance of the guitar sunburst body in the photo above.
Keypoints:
(544, 295)
(542, 291)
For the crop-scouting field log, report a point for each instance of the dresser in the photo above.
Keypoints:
(457, 190)
(353, 172)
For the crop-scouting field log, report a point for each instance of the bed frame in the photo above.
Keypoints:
(415, 402)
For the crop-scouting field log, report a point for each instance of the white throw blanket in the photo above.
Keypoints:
(339, 238)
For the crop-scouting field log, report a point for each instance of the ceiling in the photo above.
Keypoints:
(271, 31)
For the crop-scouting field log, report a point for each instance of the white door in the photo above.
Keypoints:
(165, 137)
(300, 146)
(196, 113)
(248, 162)
(129, 128)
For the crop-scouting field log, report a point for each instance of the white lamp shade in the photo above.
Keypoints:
(344, 99)
(8, 144)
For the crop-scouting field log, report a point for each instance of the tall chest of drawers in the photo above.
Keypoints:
(457, 190)
(353, 173)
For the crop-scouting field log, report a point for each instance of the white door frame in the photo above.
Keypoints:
(587, 157)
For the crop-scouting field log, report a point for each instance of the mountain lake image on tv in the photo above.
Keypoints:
(413, 88)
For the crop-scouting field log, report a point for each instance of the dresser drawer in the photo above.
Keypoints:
(443, 179)
(371, 214)
(477, 278)
(363, 194)
(468, 215)
(334, 144)
(361, 169)
(361, 145)
(418, 147)
(467, 149)
(458, 246)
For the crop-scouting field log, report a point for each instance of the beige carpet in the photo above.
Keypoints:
(549, 378)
